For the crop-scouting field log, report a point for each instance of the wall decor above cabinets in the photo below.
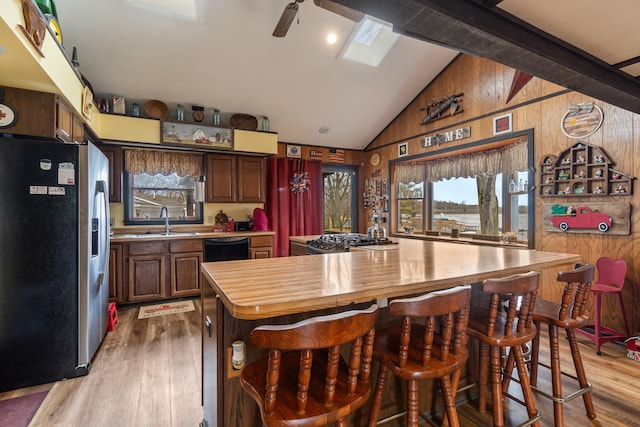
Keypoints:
(444, 107)
(582, 170)
(196, 133)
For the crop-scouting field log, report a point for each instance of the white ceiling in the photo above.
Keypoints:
(228, 59)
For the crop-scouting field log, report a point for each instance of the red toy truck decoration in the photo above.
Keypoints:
(566, 217)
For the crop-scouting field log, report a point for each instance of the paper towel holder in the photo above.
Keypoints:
(200, 188)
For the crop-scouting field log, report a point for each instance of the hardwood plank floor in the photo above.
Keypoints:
(147, 373)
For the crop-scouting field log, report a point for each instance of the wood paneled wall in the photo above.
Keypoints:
(540, 106)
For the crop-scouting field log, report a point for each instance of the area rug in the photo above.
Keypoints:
(18, 411)
(165, 308)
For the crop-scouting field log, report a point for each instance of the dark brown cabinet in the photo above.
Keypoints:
(114, 155)
(236, 179)
(43, 114)
(252, 174)
(159, 270)
(115, 273)
(221, 178)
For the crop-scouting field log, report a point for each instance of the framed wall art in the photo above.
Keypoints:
(502, 124)
(403, 149)
(294, 151)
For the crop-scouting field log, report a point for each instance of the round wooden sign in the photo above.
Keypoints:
(581, 120)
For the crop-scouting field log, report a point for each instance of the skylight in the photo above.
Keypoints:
(183, 9)
(369, 42)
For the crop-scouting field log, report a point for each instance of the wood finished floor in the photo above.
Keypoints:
(147, 373)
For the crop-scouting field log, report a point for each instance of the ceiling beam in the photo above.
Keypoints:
(470, 27)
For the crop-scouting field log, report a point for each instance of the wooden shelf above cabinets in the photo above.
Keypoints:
(582, 170)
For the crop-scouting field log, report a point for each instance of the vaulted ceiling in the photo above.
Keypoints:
(228, 59)
(589, 46)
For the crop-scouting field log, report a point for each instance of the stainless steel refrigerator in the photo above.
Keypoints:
(54, 267)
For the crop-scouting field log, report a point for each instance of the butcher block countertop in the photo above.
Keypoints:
(263, 288)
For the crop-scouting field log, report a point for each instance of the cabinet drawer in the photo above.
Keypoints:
(261, 241)
(193, 245)
(146, 248)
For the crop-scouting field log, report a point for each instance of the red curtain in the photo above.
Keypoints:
(289, 213)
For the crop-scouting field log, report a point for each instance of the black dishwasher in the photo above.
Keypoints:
(226, 248)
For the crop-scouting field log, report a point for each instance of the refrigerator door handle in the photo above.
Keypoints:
(100, 280)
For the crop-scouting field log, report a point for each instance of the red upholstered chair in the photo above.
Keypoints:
(433, 348)
(512, 329)
(611, 274)
(305, 381)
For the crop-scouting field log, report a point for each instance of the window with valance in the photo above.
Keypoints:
(155, 179)
(481, 193)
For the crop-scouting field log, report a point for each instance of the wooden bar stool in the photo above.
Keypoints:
(569, 314)
(611, 275)
(416, 352)
(305, 381)
(510, 329)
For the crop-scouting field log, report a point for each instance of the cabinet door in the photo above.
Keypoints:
(36, 112)
(114, 155)
(115, 273)
(185, 274)
(252, 179)
(78, 129)
(64, 122)
(257, 253)
(221, 178)
(147, 277)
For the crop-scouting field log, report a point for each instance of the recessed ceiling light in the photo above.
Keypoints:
(369, 42)
(324, 129)
(332, 38)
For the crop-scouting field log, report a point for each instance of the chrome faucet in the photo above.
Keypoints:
(164, 210)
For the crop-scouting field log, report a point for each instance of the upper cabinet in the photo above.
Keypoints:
(239, 179)
(114, 155)
(43, 114)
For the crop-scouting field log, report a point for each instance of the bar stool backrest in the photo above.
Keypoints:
(576, 290)
(611, 271)
(518, 295)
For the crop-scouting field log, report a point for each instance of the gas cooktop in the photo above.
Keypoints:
(341, 242)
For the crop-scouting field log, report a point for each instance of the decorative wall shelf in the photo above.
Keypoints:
(582, 170)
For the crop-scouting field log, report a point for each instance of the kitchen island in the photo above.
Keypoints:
(237, 296)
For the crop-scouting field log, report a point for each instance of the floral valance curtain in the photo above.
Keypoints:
(490, 162)
(162, 162)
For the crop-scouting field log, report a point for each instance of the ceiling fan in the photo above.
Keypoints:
(291, 10)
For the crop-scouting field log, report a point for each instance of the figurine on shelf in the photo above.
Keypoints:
(597, 190)
(547, 168)
(547, 161)
(578, 190)
(582, 174)
(599, 173)
(598, 159)
(549, 180)
(567, 189)
(580, 159)
(616, 176)
(563, 175)
(620, 189)
(548, 191)
(565, 161)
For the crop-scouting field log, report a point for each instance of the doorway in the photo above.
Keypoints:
(340, 200)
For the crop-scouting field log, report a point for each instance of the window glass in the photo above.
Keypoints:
(149, 193)
(340, 207)
(410, 196)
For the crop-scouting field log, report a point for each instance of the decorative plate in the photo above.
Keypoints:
(581, 120)
(87, 100)
(375, 159)
(8, 116)
(156, 109)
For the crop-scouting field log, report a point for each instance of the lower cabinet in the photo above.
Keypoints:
(115, 273)
(261, 247)
(159, 270)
